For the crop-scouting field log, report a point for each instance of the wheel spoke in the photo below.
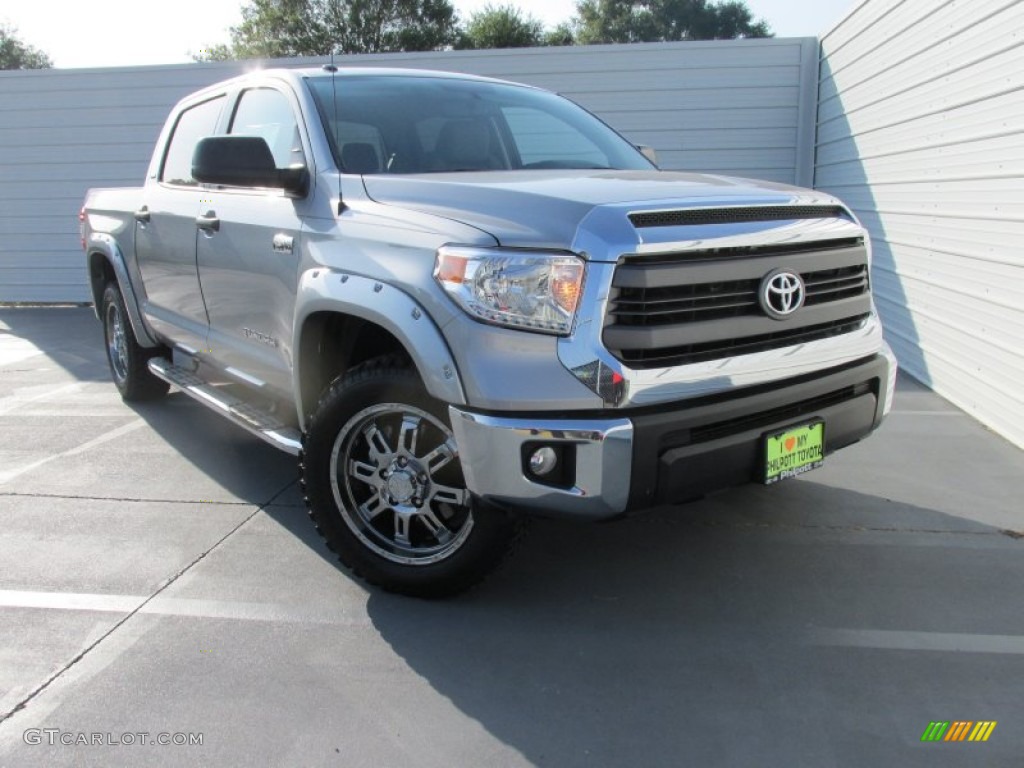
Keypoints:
(440, 456)
(380, 451)
(445, 494)
(408, 433)
(402, 528)
(117, 344)
(122, 347)
(364, 472)
(437, 529)
(372, 507)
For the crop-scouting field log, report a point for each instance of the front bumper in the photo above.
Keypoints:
(668, 454)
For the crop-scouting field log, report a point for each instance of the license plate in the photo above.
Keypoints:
(793, 451)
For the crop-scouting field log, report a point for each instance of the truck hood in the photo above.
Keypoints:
(545, 208)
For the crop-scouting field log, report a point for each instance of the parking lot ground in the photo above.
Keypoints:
(158, 575)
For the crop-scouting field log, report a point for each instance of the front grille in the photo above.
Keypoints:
(736, 215)
(742, 251)
(706, 305)
(713, 350)
(833, 284)
(730, 298)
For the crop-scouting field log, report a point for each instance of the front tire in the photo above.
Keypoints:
(127, 358)
(384, 486)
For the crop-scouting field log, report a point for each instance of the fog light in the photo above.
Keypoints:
(543, 461)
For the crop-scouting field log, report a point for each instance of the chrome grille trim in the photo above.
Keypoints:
(712, 350)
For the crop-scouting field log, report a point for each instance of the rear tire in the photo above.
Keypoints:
(126, 357)
(384, 486)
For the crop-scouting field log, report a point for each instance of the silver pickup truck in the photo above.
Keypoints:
(458, 300)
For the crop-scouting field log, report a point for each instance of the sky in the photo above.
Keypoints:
(121, 33)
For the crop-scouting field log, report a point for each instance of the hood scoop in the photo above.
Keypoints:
(735, 215)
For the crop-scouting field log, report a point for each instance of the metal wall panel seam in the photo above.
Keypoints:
(856, 56)
(919, 306)
(931, 44)
(848, 19)
(953, 143)
(942, 89)
(807, 111)
(989, 259)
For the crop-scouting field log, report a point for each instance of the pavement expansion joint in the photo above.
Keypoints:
(163, 587)
(135, 500)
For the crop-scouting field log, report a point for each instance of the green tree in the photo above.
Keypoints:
(280, 28)
(14, 54)
(501, 26)
(562, 34)
(384, 26)
(636, 21)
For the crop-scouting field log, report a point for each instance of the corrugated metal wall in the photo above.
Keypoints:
(739, 107)
(921, 130)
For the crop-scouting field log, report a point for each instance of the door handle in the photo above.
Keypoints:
(142, 215)
(283, 243)
(208, 222)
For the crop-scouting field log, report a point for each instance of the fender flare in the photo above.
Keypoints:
(327, 290)
(106, 246)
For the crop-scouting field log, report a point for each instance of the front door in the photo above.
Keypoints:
(248, 253)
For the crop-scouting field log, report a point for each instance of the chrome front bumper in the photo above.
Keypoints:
(491, 449)
(620, 463)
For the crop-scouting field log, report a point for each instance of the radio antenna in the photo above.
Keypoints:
(334, 138)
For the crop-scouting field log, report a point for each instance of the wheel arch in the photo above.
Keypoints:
(343, 320)
(106, 263)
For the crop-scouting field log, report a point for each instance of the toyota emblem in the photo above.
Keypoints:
(782, 293)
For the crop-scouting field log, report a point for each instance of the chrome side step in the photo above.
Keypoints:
(260, 423)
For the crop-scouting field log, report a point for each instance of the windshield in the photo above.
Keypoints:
(396, 124)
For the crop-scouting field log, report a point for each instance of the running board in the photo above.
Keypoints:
(260, 423)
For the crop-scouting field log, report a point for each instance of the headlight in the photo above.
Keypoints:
(530, 290)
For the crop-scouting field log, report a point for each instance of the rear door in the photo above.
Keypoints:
(165, 232)
(248, 262)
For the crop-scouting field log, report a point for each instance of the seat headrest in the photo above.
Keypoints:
(465, 144)
(359, 157)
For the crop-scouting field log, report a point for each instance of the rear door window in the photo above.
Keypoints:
(193, 124)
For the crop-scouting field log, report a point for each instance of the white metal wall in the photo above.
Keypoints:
(739, 107)
(921, 130)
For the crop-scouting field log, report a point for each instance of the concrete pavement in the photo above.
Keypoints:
(158, 575)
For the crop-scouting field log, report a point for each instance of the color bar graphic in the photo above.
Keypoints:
(958, 730)
(982, 730)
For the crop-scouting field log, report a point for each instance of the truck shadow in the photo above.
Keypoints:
(245, 467)
(235, 465)
(682, 637)
(70, 337)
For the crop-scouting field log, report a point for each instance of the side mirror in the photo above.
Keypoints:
(245, 161)
(649, 153)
